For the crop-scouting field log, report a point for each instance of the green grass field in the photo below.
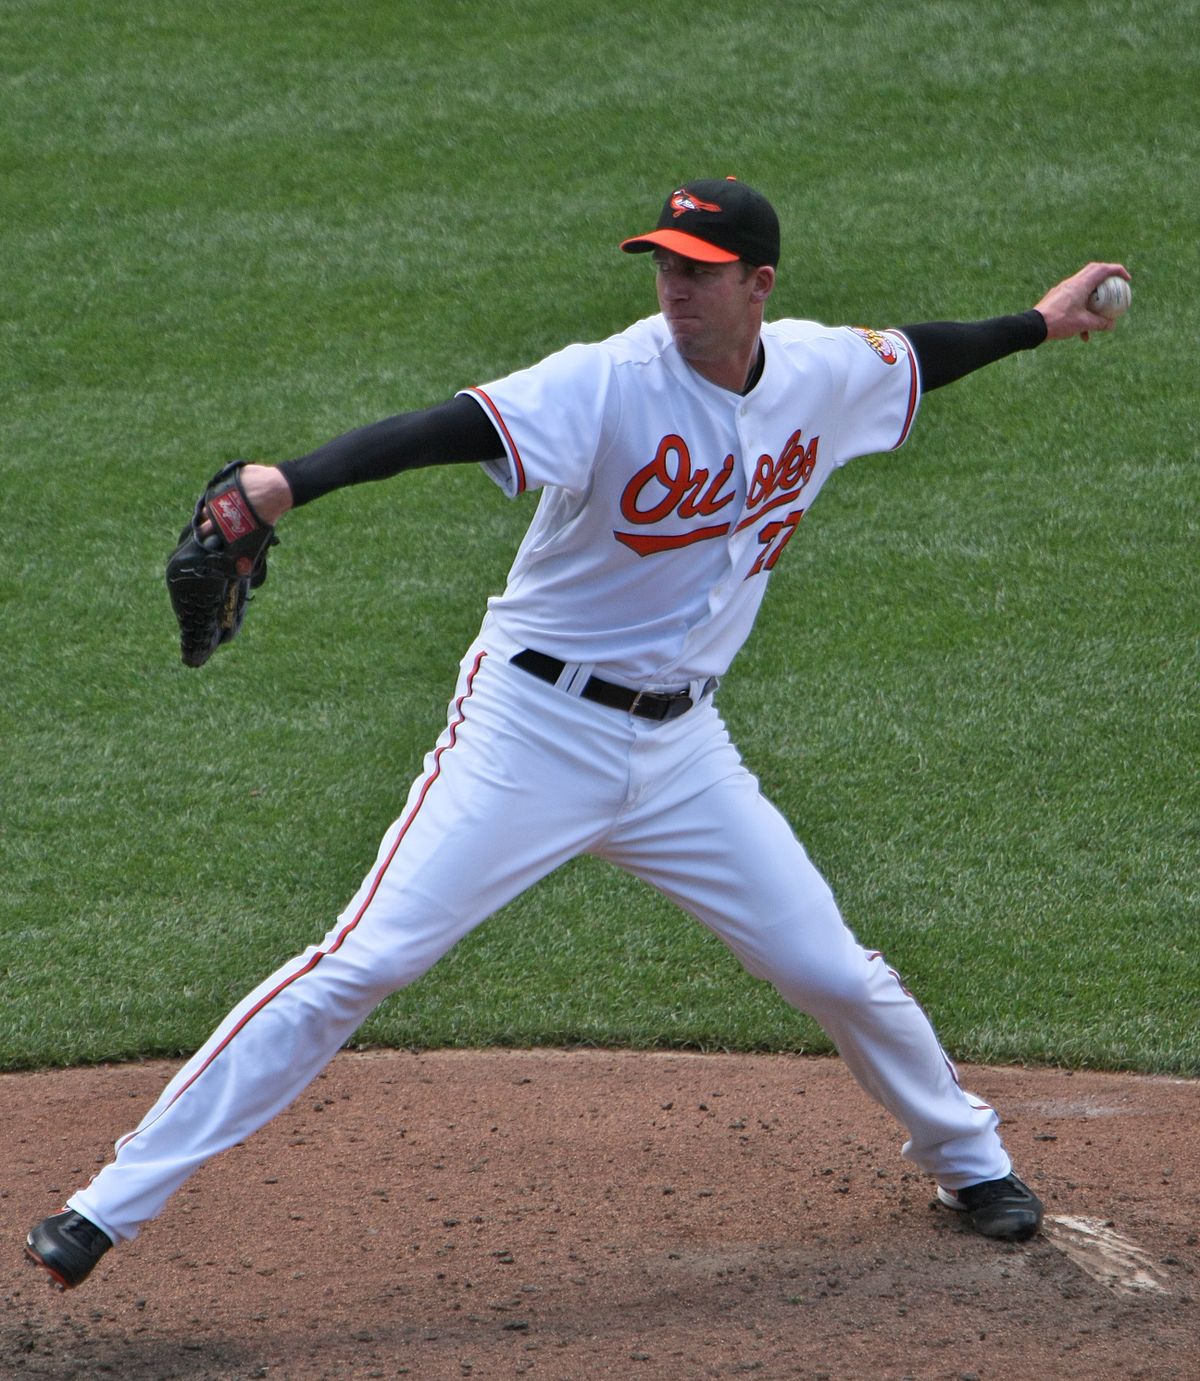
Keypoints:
(239, 229)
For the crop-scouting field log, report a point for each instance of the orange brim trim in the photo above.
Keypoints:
(681, 243)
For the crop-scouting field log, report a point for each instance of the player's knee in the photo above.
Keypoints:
(832, 974)
(388, 946)
(823, 990)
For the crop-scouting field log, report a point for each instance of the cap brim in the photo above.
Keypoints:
(681, 243)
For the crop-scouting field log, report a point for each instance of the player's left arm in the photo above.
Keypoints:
(948, 350)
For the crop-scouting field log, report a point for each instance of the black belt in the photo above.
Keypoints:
(646, 704)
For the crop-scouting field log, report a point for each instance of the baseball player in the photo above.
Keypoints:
(675, 460)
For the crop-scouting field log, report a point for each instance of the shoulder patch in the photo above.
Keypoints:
(882, 345)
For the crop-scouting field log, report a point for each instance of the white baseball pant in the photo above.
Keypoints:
(525, 777)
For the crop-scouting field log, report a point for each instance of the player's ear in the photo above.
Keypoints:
(763, 283)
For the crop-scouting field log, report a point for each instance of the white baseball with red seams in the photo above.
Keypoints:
(666, 502)
(1111, 297)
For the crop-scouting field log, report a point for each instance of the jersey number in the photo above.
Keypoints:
(774, 537)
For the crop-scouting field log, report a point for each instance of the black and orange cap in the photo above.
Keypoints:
(715, 220)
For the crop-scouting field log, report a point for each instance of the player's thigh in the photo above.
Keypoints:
(728, 857)
(513, 789)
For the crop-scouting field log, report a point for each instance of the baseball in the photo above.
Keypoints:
(1111, 298)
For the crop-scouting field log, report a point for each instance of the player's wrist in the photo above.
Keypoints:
(268, 492)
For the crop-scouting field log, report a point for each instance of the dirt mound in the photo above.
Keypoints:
(600, 1214)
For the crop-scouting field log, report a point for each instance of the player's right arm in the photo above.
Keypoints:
(450, 433)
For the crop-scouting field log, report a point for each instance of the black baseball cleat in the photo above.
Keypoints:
(1007, 1208)
(66, 1246)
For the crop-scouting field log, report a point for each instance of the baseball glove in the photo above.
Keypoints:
(209, 578)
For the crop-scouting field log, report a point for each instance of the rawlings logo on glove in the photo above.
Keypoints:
(210, 576)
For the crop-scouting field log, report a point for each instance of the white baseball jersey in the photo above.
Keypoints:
(666, 499)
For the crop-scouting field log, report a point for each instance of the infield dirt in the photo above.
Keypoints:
(600, 1214)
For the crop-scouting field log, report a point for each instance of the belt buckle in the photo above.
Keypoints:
(666, 706)
(658, 699)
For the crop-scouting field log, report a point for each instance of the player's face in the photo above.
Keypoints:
(711, 310)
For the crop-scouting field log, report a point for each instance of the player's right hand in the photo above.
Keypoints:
(268, 492)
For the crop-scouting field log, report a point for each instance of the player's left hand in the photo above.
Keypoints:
(1065, 308)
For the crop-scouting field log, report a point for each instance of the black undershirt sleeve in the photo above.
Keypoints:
(946, 350)
(460, 431)
(447, 434)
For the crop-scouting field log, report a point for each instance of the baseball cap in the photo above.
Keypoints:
(716, 220)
